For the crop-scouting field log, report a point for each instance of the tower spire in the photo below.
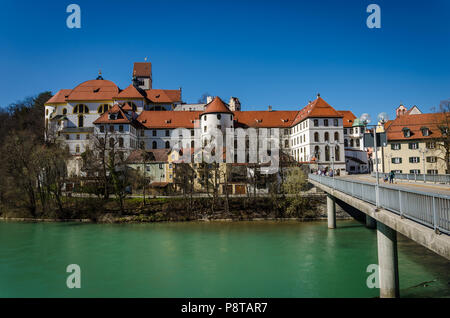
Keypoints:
(99, 77)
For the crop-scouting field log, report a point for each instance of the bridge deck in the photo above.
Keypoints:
(415, 186)
(415, 220)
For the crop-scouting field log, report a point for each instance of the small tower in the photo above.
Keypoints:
(235, 104)
(216, 116)
(142, 75)
(401, 110)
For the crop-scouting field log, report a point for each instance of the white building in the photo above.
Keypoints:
(142, 117)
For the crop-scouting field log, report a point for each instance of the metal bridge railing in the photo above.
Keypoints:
(429, 209)
(436, 178)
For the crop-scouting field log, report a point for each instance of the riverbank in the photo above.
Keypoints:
(95, 210)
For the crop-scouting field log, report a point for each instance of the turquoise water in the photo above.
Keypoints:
(239, 259)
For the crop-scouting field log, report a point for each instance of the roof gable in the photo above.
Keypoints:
(318, 108)
(131, 92)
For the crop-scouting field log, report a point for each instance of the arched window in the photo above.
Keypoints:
(327, 136)
(345, 143)
(154, 145)
(192, 144)
(337, 156)
(327, 153)
(111, 142)
(167, 144)
(103, 108)
(80, 109)
(357, 142)
(336, 136)
(286, 143)
(46, 112)
(316, 137)
(351, 142)
(77, 148)
(317, 152)
(121, 142)
(219, 116)
(64, 111)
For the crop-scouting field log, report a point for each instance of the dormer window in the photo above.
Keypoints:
(406, 132)
(444, 130)
(425, 131)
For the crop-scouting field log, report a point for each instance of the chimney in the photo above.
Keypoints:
(269, 108)
(209, 99)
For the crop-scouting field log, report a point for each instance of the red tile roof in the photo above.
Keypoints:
(168, 119)
(265, 119)
(216, 106)
(154, 155)
(94, 90)
(143, 69)
(349, 117)
(163, 95)
(317, 108)
(127, 107)
(131, 92)
(121, 117)
(432, 121)
(59, 97)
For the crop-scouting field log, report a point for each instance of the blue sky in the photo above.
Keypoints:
(278, 53)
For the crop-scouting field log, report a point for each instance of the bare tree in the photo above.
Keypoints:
(203, 98)
(443, 143)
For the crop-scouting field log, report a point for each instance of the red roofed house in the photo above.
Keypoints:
(415, 142)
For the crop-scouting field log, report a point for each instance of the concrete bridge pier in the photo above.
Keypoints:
(387, 261)
(331, 211)
(370, 222)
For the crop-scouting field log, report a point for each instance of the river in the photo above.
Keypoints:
(216, 259)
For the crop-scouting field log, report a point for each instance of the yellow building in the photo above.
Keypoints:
(416, 144)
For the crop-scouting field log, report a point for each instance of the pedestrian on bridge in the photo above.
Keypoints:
(391, 177)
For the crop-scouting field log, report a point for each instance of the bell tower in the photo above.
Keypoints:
(142, 75)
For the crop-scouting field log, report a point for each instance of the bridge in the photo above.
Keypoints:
(422, 215)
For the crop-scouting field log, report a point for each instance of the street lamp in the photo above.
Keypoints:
(330, 145)
(365, 119)
(317, 154)
(423, 152)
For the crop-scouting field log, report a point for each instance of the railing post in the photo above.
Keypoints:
(400, 203)
(434, 214)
